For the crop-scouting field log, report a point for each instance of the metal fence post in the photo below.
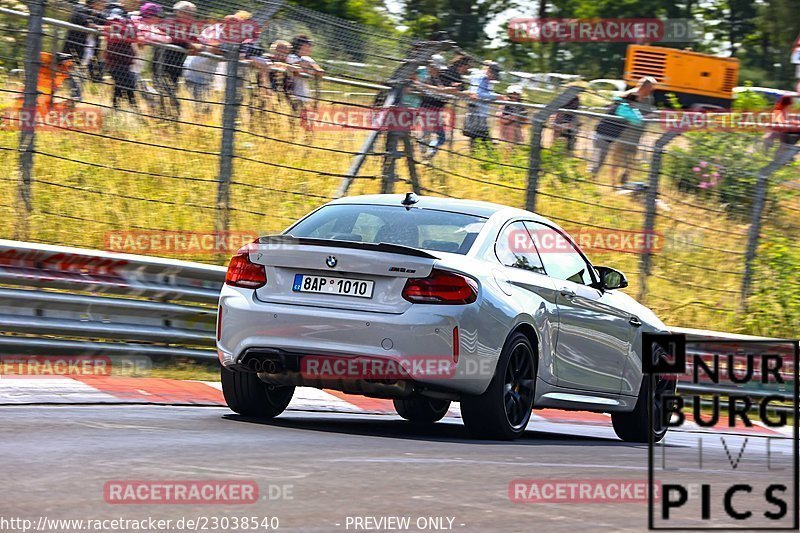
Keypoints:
(784, 155)
(537, 126)
(651, 196)
(393, 139)
(227, 145)
(27, 122)
(359, 159)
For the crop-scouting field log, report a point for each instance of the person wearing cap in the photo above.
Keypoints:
(512, 116)
(79, 44)
(168, 64)
(145, 20)
(476, 123)
(120, 53)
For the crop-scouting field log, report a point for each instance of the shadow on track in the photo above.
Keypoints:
(440, 432)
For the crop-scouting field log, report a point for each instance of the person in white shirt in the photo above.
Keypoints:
(300, 56)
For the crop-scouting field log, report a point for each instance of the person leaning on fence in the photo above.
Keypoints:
(453, 75)
(625, 115)
(432, 104)
(145, 20)
(279, 74)
(168, 64)
(306, 68)
(476, 123)
(566, 125)
(449, 81)
(79, 44)
(120, 53)
(512, 117)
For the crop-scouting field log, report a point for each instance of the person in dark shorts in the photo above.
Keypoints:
(119, 55)
(76, 41)
(432, 104)
(168, 64)
(566, 125)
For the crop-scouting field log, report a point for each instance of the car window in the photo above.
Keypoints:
(515, 248)
(560, 257)
(440, 231)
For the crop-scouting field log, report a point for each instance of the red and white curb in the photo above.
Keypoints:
(33, 390)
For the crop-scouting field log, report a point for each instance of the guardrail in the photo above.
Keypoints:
(74, 301)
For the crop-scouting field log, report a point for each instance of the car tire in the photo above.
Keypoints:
(421, 410)
(247, 395)
(634, 425)
(503, 411)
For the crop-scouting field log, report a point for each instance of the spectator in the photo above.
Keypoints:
(198, 74)
(476, 123)
(786, 125)
(625, 114)
(168, 64)
(453, 75)
(145, 20)
(280, 73)
(512, 116)
(78, 44)
(301, 58)
(120, 52)
(433, 102)
(566, 125)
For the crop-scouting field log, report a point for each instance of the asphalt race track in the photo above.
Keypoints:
(320, 471)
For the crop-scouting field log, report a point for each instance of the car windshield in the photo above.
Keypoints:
(428, 229)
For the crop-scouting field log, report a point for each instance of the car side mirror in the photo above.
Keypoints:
(611, 278)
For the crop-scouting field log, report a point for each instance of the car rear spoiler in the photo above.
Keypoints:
(380, 247)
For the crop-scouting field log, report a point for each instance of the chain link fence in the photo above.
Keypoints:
(189, 149)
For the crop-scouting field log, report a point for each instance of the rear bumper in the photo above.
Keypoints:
(423, 333)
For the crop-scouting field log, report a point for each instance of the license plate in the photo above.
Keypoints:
(332, 285)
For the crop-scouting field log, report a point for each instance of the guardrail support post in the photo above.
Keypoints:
(27, 122)
(651, 196)
(783, 156)
(537, 126)
(227, 145)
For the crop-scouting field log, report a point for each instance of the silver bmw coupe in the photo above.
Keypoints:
(429, 301)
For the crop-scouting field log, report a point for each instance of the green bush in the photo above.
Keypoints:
(718, 166)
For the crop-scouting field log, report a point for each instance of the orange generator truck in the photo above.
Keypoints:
(693, 77)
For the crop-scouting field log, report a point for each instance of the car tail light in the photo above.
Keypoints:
(441, 288)
(243, 273)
